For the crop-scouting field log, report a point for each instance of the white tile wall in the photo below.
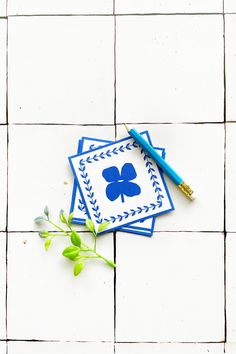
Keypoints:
(2, 286)
(59, 348)
(230, 54)
(3, 176)
(188, 150)
(2, 347)
(230, 348)
(170, 348)
(64, 69)
(35, 7)
(2, 8)
(3, 39)
(46, 301)
(229, 5)
(39, 171)
(231, 287)
(73, 76)
(168, 6)
(170, 68)
(170, 288)
(230, 177)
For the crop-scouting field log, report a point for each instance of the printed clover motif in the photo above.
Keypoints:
(119, 183)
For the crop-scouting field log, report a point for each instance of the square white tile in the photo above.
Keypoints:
(56, 7)
(46, 301)
(64, 72)
(169, 68)
(170, 288)
(39, 171)
(2, 286)
(3, 46)
(230, 176)
(59, 348)
(229, 5)
(191, 149)
(3, 349)
(2, 8)
(168, 6)
(231, 287)
(3, 176)
(230, 54)
(170, 348)
(230, 348)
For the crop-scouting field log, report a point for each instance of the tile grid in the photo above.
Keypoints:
(115, 126)
(146, 123)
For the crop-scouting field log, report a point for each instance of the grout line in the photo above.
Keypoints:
(68, 124)
(112, 124)
(114, 234)
(224, 73)
(7, 206)
(155, 231)
(115, 123)
(114, 244)
(62, 15)
(153, 342)
(169, 14)
(55, 341)
(120, 14)
(168, 123)
(104, 341)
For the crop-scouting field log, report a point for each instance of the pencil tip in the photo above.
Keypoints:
(127, 128)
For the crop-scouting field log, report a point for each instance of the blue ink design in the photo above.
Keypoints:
(81, 206)
(119, 183)
(90, 193)
(125, 214)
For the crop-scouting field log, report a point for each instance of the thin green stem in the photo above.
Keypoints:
(100, 256)
(106, 260)
(57, 234)
(58, 227)
(95, 241)
(111, 263)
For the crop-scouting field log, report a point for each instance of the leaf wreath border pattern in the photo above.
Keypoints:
(89, 188)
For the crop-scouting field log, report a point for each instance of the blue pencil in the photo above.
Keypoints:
(161, 162)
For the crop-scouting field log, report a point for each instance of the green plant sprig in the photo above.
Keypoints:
(78, 252)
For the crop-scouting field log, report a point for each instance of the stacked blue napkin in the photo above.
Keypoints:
(124, 178)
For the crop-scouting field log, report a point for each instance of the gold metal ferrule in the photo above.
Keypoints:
(186, 190)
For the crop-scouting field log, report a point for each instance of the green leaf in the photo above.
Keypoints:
(44, 234)
(103, 226)
(75, 239)
(46, 211)
(47, 243)
(77, 258)
(90, 225)
(63, 217)
(39, 220)
(78, 267)
(71, 252)
(70, 217)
